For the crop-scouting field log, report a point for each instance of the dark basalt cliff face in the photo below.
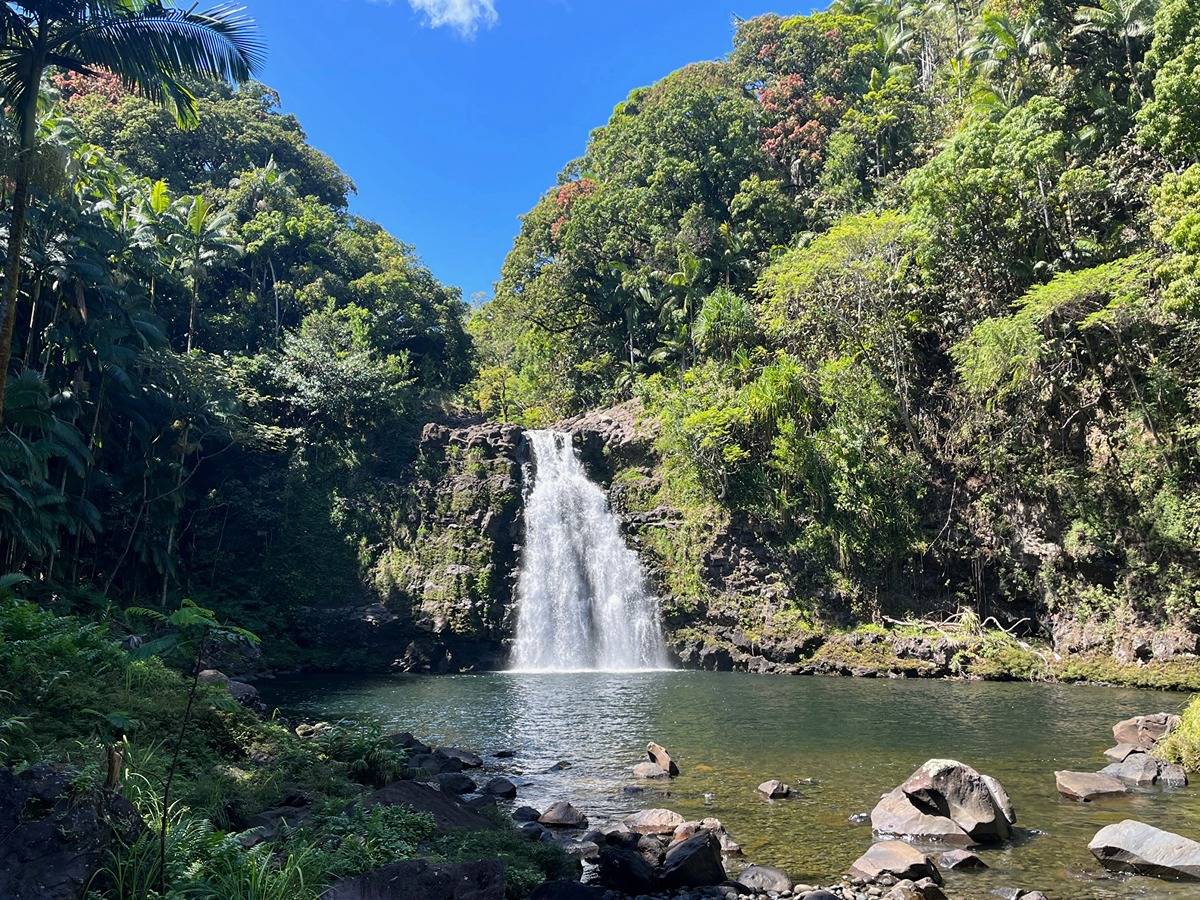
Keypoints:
(732, 597)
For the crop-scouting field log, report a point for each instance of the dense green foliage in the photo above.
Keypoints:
(211, 360)
(911, 289)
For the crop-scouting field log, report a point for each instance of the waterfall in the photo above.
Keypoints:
(582, 602)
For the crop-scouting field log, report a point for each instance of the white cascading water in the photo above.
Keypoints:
(582, 602)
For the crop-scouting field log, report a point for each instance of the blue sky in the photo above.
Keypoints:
(452, 116)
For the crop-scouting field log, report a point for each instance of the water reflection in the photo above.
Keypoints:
(855, 738)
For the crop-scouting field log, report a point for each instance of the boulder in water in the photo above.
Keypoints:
(975, 803)
(525, 814)
(455, 783)
(1138, 768)
(895, 858)
(660, 757)
(1172, 776)
(1132, 846)
(563, 815)
(774, 789)
(653, 821)
(468, 759)
(1085, 787)
(964, 860)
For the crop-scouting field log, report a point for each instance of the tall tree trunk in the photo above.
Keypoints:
(192, 311)
(16, 231)
(34, 296)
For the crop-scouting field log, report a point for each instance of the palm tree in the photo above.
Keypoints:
(1126, 20)
(204, 238)
(151, 47)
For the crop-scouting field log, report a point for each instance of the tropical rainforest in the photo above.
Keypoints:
(910, 289)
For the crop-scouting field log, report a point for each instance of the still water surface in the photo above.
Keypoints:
(730, 731)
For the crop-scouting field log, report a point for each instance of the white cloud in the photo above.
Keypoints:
(464, 16)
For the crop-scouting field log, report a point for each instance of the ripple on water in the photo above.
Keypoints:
(731, 731)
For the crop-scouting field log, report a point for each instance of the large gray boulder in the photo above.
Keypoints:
(895, 858)
(625, 870)
(695, 862)
(947, 802)
(1132, 846)
(420, 879)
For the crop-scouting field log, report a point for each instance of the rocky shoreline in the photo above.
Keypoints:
(926, 826)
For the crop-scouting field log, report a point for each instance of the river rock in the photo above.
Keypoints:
(1087, 786)
(1145, 731)
(764, 879)
(500, 787)
(975, 803)
(895, 815)
(213, 676)
(649, 770)
(563, 815)
(525, 814)
(625, 870)
(53, 838)
(961, 860)
(1172, 776)
(1138, 768)
(1132, 846)
(432, 764)
(653, 821)
(774, 789)
(404, 740)
(924, 889)
(895, 858)
(695, 862)
(455, 783)
(660, 757)
(1118, 753)
(468, 759)
(420, 879)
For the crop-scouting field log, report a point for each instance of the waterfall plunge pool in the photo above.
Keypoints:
(730, 731)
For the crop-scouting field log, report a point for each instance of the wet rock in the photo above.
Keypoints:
(313, 730)
(1132, 846)
(500, 787)
(468, 759)
(563, 815)
(247, 695)
(480, 803)
(561, 766)
(525, 814)
(455, 783)
(907, 889)
(695, 862)
(533, 830)
(421, 879)
(774, 789)
(505, 754)
(52, 838)
(653, 821)
(1138, 768)
(660, 757)
(895, 858)
(895, 815)
(961, 860)
(974, 802)
(625, 870)
(1119, 753)
(567, 890)
(765, 878)
(1145, 731)
(1172, 776)
(1087, 786)
(649, 770)
(404, 740)
(428, 765)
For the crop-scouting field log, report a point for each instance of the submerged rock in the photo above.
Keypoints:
(1172, 776)
(649, 770)
(1087, 786)
(468, 759)
(500, 787)
(765, 878)
(1132, 846)
(964, 860)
